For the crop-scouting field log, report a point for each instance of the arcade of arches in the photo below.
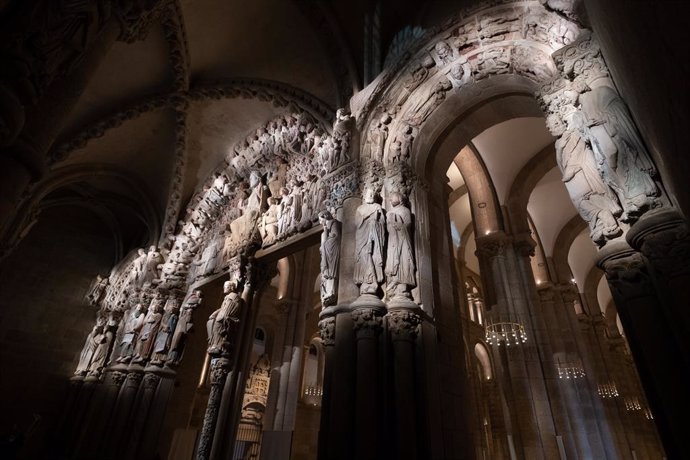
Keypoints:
(329, 230)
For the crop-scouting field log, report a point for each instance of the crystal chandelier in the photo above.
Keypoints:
(607, 390)
(505, 330)
(570, 369)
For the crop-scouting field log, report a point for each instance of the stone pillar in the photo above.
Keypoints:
(112, 447)
(368, 432)
(219, 373)
(327, 333)
(154, 424)
(652, 341)
(149, 385)
(403, 325)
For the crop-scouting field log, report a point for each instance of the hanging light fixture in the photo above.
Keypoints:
(607, 390)
(570, 368)
(632, 403)
(506, 329)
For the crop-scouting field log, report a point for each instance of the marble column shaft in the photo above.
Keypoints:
(219, 373)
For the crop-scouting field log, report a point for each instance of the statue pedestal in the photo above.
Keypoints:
(367, 301)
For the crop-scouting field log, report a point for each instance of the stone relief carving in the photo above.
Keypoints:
(369, 243)
(97, 292)
(594, 199)
(444, 53)
(149, 330)
(400, 258)
(223, 323)
(424, 106)
(89, 348)
(620, 151)
(330, 258)
(161, 345)
(376, 139)
(105, 341)
(133, 324)
(184, 325)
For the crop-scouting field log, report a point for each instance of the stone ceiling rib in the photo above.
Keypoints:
(277, 93)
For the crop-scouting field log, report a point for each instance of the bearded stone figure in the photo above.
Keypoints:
(369, 244)
(184, 325)
(595, 200)
(165, 333)
(620, 151)
(330, 257)
(149, 331)
(223, 323)
(132, 328)
(400, 263)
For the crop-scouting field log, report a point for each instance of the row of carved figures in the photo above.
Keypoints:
(153, 332)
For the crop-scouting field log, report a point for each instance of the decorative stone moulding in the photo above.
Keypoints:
(505, 330)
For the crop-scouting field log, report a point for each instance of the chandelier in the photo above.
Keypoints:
(570, 369)
(607, 390)
(505, 330)
(632, 403)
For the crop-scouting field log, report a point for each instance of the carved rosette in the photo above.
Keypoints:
(404, 325)
(327, 331)
(367, 322)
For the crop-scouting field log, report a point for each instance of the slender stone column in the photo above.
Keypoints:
(148, 389)
(367, 326)
(122, 412)
(219, 373)
(652, 342)
(154, 423)
(327, 332)
(403, 325)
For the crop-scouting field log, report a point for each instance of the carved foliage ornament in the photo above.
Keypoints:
(404, 325)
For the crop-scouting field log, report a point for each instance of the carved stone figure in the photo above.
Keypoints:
(342, 133)
(136, 274)
(132, 328)
(376, 138)
(369, 244)
(620, 152)
(98, 290)
(269, 222)
(330, 257)
(223, 323)
(149, 330)
(151, 271)
(400, 261)
(285, 211)
(444, 52)
(594, 199)
(88, 350)
(184, 325)
(494, 61)
(425, 106)
(161, 345)
(104, 347)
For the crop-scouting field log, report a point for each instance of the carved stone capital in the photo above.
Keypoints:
(404, 325)
(219, 371)
(581, 60)
(492, 245)
(367, 322)
(151, 381)
(134, 379)
(117, 378)
(664, 239)
(327, 331)
(524, 244)
(547, 294)
(627, 274)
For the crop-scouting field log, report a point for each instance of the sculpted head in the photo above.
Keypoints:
(325, 216)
